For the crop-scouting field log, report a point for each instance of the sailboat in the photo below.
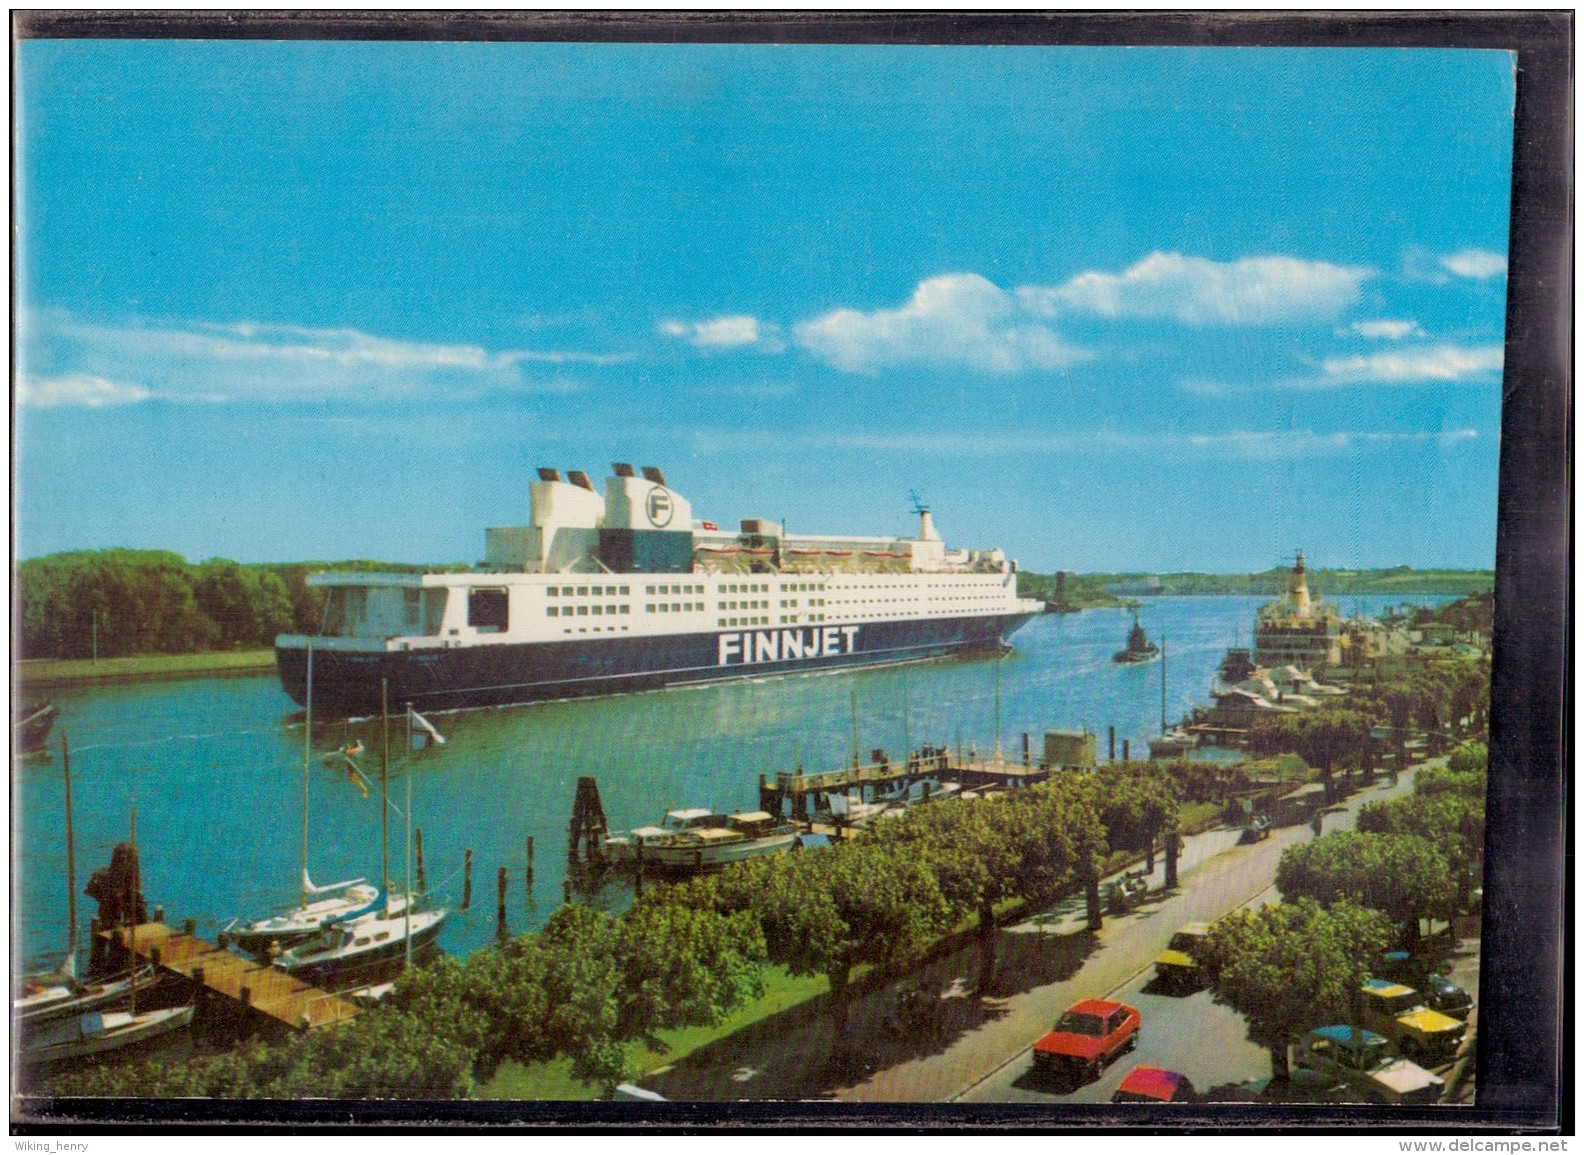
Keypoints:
(1175, 742)
(80, 1035)
(60, 994)
(318, 906)
(348, 949)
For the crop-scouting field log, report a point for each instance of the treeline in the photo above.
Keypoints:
(120, 602)
(1331, 584)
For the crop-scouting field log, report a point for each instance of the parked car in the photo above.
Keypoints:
(1446, 996)
(1087, 1037)
(1154, 1085)
(1182, 965)
(1258, 827)
(1365, 1062)
(1301, 1086)
(1126, 893)
(1399, 1012)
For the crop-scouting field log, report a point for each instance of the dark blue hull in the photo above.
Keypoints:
(505, 673)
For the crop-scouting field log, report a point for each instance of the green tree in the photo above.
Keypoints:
(1291, 967)
(1454, 822)
(1402, 875)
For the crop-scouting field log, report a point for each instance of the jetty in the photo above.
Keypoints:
(243, 989)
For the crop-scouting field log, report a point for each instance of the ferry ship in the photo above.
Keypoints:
(625, 591)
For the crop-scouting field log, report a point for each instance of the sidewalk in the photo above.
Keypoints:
(1043, 964)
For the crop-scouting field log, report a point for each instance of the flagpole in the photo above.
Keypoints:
(307, 752)
(408, 897)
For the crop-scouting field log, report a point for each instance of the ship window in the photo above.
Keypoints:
(624, 609)
(412, 605)
(599, 610)
(552, 591)
(582, 611)
(648, 589)
(623, 591)
(487, 608)
(551, 611)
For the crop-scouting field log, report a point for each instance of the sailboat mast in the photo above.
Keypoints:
(71, 865)
(134, 885)
(1163, 684)
(407, 893)
(307, 751)
(384, 803)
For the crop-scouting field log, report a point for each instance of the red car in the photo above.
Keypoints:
(1087, 1037)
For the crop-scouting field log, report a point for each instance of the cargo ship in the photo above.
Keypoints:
(625, 591)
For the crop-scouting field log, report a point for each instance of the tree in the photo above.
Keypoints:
(1454, 822)
(1402, 875)
(1291, 967)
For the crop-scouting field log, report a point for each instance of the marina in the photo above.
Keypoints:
(215, 766)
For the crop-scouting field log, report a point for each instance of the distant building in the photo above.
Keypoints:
(1297, 630)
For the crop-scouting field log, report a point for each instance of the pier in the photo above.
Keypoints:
(270, 996)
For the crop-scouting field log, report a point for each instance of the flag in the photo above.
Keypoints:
(356, 777)
(421, 723)
(710, 525)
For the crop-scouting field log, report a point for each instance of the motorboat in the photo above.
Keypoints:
(346, 949)
(345, 901)
(700, 840)
(79, 1036)
(45, 998)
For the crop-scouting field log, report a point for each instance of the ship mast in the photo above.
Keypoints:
(307, 752)
(71, 866)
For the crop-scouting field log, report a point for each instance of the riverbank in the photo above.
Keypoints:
(52, 674)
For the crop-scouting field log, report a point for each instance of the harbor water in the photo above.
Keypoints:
(214, 767)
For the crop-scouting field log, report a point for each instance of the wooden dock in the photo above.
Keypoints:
(797, 794)
(262, 990)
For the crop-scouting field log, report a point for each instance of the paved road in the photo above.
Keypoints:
(981, 1046)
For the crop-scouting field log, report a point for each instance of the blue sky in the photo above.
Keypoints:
(1107, 308)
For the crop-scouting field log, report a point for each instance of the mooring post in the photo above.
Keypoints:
(530, 864)
(1111, 752)
(1125, 750)
(500, 902)
(638, 879)
(189, 927)
(418, 853)
(1025, 748)
(467, 879)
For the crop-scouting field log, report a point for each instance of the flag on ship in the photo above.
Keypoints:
(428, 732)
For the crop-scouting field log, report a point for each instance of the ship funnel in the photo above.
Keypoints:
(580, 479)
(549, 474)
(652, 473)
(927, 530)
(622, 469)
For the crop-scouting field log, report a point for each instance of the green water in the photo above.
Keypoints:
(214, 767)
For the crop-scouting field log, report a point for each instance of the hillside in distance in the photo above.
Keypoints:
(1105, 588)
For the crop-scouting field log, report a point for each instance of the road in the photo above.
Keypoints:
(979, 1050)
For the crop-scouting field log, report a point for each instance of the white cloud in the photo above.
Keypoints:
(953, 319)
(1387, 330)
(730, 332)
(1477, 264)
(1406, 366)
(1199, 291)
(81, 390)
(193, 361)
(1234, 445)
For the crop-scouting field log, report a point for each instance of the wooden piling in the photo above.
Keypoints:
(1111, 747)
(530, 865)
(1026, 758)
(588, 828)
(638, 875)
(500, 902)
(467, 879)
(1125, 750)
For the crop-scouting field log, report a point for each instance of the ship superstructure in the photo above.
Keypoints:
(1296, 629)
(625, 590)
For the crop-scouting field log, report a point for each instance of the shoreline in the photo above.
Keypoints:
(38, 674)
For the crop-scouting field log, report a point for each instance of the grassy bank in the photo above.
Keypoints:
(51, 674)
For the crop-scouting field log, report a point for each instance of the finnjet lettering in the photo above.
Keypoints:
(749, 648)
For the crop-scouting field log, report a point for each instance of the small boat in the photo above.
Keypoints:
(1174, 743)
(700, 840)
(100, 1031)
(1139, 647)
(346, 949)
(32, 729)
(45, 998)
(356, 899)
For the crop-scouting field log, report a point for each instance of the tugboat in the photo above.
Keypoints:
(1139, 648)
